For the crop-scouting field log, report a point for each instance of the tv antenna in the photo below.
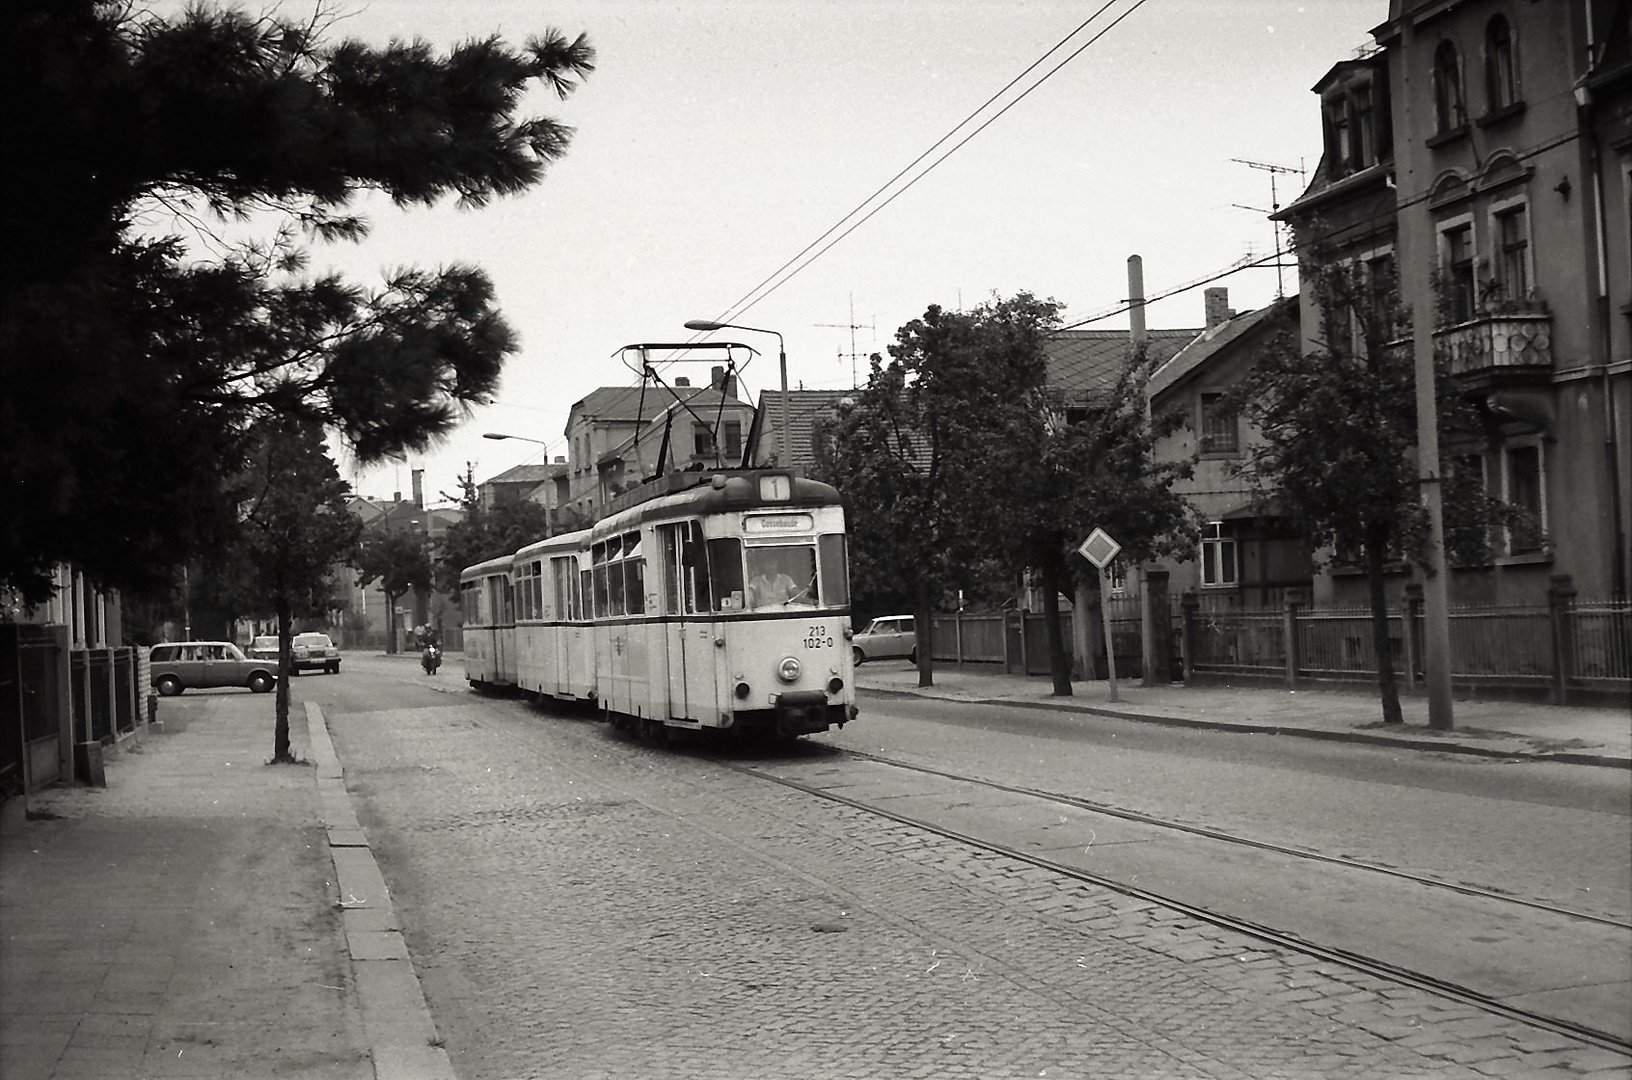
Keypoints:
(852, 326)
(1274, 208)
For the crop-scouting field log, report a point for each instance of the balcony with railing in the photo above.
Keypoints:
(1509, 342)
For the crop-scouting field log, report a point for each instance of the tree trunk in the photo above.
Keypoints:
(1380, 642)
(391, 622)
(280, 730)
(1059, 664)
(924, 634)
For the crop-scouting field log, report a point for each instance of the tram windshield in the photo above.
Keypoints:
(781, 575)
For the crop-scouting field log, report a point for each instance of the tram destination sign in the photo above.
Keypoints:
(1099, 548)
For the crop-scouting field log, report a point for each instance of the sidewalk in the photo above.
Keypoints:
(1576, 735)
(183, 921)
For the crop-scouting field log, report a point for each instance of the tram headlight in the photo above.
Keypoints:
(788, 669)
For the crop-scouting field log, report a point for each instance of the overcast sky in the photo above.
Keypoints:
(719, 138)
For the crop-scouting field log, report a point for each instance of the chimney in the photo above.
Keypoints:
(1136, 300)
(419, 488)
(1216, 302)
(718, 380)
(682, 381)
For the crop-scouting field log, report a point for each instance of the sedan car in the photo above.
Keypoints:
(263, 647)
(885, 637)
(200, 665)
(314, 652)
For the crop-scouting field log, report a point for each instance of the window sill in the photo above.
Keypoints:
(1445, 138)
(1528, 558)
(1501, 115)
(1219, 455)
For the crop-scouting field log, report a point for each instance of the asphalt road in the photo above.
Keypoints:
(580, 905)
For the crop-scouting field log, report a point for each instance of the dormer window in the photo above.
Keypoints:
(1356, 135)
(1450, 107)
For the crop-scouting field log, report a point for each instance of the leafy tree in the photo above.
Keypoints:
(137, 348)
(1339, 436)
(400, 560)
(1090, 466)
(295, 532)
(918, 457)
(484, 532)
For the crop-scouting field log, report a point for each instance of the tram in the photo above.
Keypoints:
(702, 600)
(487, 606)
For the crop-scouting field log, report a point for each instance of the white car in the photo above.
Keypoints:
(885, 637)
(314, 652)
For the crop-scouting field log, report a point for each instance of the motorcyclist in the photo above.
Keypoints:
(430, 657)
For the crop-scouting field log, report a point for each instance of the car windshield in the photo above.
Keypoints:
(264, 643)
(312, 639)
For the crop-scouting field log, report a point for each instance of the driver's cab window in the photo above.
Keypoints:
(782, 575)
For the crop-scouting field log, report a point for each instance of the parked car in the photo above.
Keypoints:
(885, 637)
(200, 665)
(263, 647)
(314, 652)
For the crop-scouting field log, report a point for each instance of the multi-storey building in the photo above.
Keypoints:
(1485, 151)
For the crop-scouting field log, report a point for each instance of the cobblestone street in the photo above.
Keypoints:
(579, 905)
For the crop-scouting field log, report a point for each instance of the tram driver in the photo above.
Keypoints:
(771, 582)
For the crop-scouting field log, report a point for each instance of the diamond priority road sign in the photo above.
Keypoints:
(1099, 548)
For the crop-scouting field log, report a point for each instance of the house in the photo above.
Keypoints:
(366, 621)
(1248, 556)
(1485, 149)
(810, 414)
(619, 436)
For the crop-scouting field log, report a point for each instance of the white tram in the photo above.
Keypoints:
(487, 605)
(555, 650)
(702, 600)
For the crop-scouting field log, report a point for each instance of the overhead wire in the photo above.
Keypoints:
(749, 299)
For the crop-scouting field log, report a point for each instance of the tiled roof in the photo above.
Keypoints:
(806, 410)
(521, 474)
(1216, 341)
(1083, 363)
(628, 404)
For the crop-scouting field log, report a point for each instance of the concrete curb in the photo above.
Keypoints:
(1562, 757)
(396, 1021)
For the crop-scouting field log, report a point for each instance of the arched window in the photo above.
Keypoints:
(1449, 105)
(1501, 68)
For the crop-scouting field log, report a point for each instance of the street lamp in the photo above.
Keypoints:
(498, 436)
(782, 357)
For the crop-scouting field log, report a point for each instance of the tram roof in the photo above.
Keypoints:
(711, 492)
(500, 564)
(563, 542)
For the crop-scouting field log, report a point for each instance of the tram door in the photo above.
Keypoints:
(688, 620)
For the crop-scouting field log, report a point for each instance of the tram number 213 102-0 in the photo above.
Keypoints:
(817, 637)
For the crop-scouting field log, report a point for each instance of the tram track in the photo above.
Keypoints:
(1586, 1034)
(1243, 841)
(1270, 935)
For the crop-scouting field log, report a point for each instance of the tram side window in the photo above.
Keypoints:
(614, 576)
(634, 574)
(535, 590)
(668, 537)
(564, 576)
(598, 559)
(694, 577)
(835, 569)
(725, 572)
(507, 597)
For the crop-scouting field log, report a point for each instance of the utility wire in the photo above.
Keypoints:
(744, 303)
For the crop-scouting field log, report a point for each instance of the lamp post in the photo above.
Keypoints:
(499, 436)
(786, 457)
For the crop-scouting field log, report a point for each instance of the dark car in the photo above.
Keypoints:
(201, 665)
(314, 652)
(885, 637)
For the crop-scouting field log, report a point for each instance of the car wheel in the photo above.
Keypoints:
(912, 657)
(334, 669)
(858, 655)
(260, 682)
(168, 685)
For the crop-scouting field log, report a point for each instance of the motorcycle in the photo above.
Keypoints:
(430, 659)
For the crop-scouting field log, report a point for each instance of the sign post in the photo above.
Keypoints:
(1101, 550)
